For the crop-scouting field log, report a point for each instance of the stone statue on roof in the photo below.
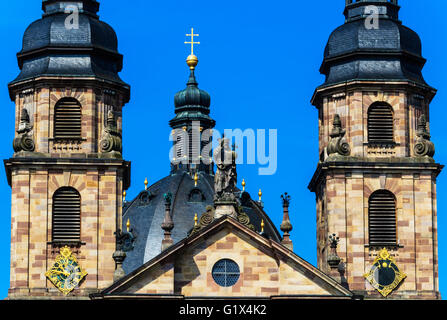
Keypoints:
(225, 179)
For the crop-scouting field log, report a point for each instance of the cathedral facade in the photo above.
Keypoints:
(194, 233)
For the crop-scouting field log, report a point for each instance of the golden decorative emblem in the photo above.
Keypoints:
(384, 275)
(66, 273)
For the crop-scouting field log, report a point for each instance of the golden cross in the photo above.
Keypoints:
(192, 43)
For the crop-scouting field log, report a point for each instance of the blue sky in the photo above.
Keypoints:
(259, 61)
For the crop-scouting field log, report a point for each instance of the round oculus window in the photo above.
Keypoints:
(226, 273)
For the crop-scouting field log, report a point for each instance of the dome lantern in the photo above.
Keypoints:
(192, 122)
(50, 7)
(358, 9)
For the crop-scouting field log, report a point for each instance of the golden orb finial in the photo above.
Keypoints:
(243, 185)
(195, 220)
(262, 225)
(196, 179)
(145, 184)
(260, 195)
(124, 196)
(128, 225)
(192, 61)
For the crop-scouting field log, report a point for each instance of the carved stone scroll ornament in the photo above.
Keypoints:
(423, 147)
(208, 217)
(111, 139)
(24, 140)
(337, 145)
(244, 219)
(204, 220)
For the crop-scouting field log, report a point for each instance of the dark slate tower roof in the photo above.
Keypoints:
(355, 51)
(50, 48)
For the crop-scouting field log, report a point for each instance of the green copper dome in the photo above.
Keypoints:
(192, 96)
(192, 104)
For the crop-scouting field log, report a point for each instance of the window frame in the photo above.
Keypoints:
(226, 274)
(378, 127)
(59, 240)
(392, 227)
(56, 121)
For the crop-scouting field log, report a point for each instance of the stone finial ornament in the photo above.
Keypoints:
(286, 226)
(337, 145)
(168, 198)
(111, 142)
(124, 243)
(167, 224)
(119, 256)
(24, 140)
(423, 147)
(333, 259)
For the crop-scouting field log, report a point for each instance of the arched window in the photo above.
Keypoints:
(66, 215)
(380, 124)
(382, 219)
(196, 196)
(67, 119)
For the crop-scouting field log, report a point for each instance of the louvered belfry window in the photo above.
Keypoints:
(380, 124)
(190, 146)
(66, 215)
(382, 219)
(179, 146)
(67, 119)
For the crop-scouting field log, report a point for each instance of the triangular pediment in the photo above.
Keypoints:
(266, 268)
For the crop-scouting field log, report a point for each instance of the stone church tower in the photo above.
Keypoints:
(67, 173)
(375, 183)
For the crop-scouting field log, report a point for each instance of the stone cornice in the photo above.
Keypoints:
(373, 165)
(73, 163)
(56, 81)
(371, 85)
